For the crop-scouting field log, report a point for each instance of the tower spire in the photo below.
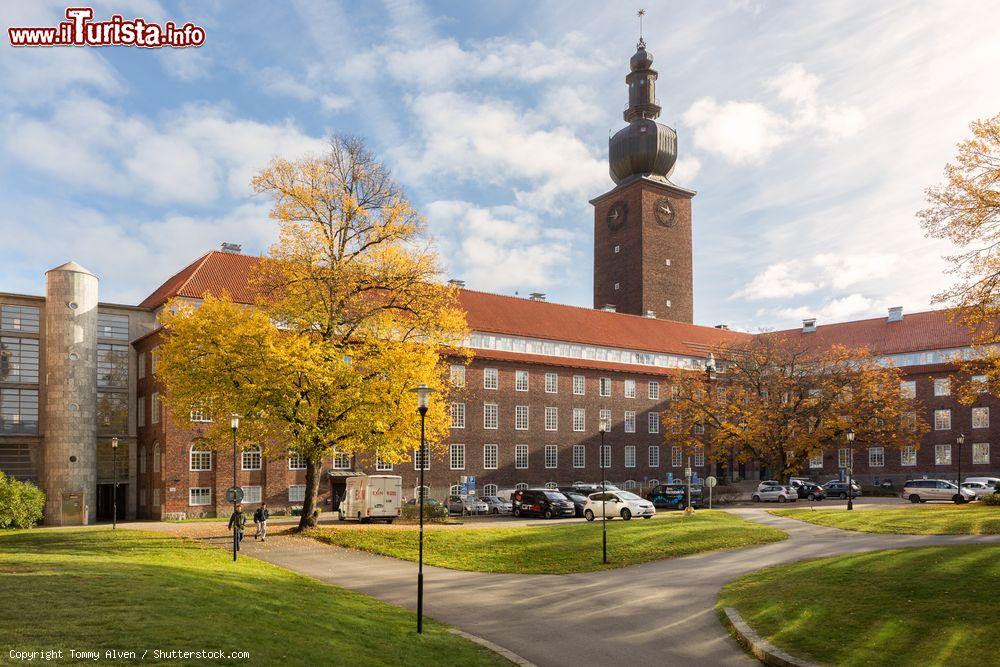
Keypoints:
(641, 43)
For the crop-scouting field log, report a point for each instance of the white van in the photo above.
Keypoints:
(988, 481)
(372, 498)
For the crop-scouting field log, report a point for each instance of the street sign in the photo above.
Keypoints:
(710, 481)
(234, 494)
(687, 472)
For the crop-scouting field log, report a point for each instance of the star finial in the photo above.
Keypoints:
(640, 14)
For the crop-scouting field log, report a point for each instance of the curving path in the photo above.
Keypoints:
(662, 611)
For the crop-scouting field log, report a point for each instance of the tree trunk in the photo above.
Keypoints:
(309, 504)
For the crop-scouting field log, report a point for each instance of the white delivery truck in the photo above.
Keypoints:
(372, 498)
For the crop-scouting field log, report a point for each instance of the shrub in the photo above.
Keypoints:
(431, 512)
(992, 499)
(21, 503)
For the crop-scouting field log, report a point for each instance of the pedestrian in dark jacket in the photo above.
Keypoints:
(239, 520)
(260, 518)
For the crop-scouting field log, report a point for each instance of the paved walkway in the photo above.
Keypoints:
(660, 612)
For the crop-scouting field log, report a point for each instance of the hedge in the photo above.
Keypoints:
(21, 503)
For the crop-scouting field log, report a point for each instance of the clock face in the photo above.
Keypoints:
(664, 211)
(617, 215)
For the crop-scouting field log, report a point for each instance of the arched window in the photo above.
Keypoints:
(156, 457)
(455, 490)
(551, 485)
(250, 458)
(200, 457)
(629, 485)
(490, 490)
(653, 482)
(416, 492)
(520, 486)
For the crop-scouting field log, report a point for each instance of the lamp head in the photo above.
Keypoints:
(604, 425)
(234, 421)
(960, 439)
(114, 443)
(423, 393)
(850, 435)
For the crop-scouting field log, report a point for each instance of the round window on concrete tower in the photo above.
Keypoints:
(72, 459)
(73, 407)
(73, 356)
(72, 305)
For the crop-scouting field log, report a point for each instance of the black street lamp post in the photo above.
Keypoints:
(234, 422)
(114, 492)
(603, 426)
(423, 393)
(960, 440)
(850, 469)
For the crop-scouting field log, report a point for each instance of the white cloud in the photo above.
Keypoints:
(833, 310)
(778, 281)
(307, 88)
(190, 64)
(829, 271)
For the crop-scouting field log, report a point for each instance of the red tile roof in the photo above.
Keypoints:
(214, 272)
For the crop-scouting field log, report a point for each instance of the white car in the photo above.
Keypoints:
(617, 503)
(981, 490)
(776, 492)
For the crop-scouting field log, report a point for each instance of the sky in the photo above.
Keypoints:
(809, 131)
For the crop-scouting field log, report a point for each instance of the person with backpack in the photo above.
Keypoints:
(260, 517)
(239, 520)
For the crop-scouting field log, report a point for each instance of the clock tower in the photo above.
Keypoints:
(642, 226)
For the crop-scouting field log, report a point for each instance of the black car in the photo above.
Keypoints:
(578, 499)
(675, 496)
(542, 502)
(836, 489)
(811, 491)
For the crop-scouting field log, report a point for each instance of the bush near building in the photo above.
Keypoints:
(21, 503)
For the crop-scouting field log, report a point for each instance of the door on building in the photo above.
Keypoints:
(104, 504)
(338, 487)
(72, 509)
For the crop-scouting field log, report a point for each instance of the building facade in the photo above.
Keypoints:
(76, 372)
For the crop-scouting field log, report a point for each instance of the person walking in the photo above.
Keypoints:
(239, 520)
(260, 518)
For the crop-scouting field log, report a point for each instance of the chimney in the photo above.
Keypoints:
(232, 247)
(724, 327)
(896, 314)
(609, 308)
(454, 282)
(651, 314)
(537, 296)
(809, 325)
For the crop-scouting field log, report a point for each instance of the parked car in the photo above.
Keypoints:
(617, 503)
(498, 505)
(922, 490)
(837, 489)
(993, 482)
(542, 502)
(427, 501)
(772, 491)
(467, 505)
(981, 490)
(675, 496)
(810, 491)
(578, 499)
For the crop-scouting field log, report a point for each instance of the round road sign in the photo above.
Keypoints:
(234, 494)
(711, 481)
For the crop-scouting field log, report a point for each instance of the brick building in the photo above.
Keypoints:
(75, 372)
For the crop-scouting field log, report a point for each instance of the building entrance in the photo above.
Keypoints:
(105, 492)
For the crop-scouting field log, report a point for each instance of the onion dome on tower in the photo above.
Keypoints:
(645, 147)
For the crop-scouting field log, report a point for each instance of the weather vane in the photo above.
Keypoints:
(640, 14)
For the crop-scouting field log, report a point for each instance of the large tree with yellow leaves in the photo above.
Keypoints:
(351, 315)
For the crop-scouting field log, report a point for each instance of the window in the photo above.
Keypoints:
(520, 417)
(19, 318)
(250, 458)
(676, 457)
(630, 421)
(112, 326)
(699, 429)
(491, 415)
(455, 490)
(908, 389)
(382, 465)
(980, 453)
(629, 388)
(579, 419)
(653, 389)
(112, 365)
(605, 387)
(458, 415)
(654, 456)
(112, 412)
(142, 497)
(140, 411)
(199, 495)
(154, 361)
(142, 364)
(942, 420)
(980, 383)
(420, 462)
(18, 411)
(251, 494)
(521, 456)
(19, 360)
(908, 456)
(491, 378)
(816, 460)
(425, 489)
(142, 459)
(629, 485)
(520, 380)
(200, 414)
(520, 486)
(980, 417)
(605, 416)
(551, 456)
(552, 486)
(579, 456)
(156, 497)
(551, 419)
(457, 457)
(551, 383)
(942, 455)
(845, 456)
(457, 375)
(490, 490)
(606, 456)
(629, 456)
(157, 459)
(154, 408)
(490, 453)
(699, 457)
(675, 392)
(579, 385)
(942, 387)
(296, 461)
(297, 493)
(654, 422)
(201, 458)
(876, 457)
(341, 460)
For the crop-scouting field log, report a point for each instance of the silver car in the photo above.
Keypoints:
(775, 492)
(498, 505)
(981, 490)
(922, 490)
(467, 505)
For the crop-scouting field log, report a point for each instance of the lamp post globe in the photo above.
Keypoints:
(423, 393)
(114, 489)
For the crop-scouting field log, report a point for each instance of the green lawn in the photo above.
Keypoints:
(559, 549)
(925, 606)
(129, 590)
(971, 519)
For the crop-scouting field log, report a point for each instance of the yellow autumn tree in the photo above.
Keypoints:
(778, 403)
(351, 315)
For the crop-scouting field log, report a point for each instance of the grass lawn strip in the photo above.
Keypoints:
(923, 606)
(130, 590)
(556, 549)
(911, 520)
